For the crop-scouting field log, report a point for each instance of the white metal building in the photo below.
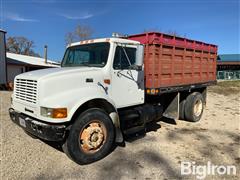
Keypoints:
(17, 64)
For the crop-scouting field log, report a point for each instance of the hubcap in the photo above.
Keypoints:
(92, 137)
(198, 108)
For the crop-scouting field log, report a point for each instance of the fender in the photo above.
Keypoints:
(73, 99)
(69, 100)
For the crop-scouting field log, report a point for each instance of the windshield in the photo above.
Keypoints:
(92, 55)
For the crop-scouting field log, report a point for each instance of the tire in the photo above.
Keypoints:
(181, 109)
(91, 137)
(194, 107)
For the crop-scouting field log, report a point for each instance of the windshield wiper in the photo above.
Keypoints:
(85, 64)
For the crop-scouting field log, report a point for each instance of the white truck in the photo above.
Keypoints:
(97, 95)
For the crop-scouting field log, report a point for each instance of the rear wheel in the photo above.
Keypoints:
(194, 107)
(181, 109)
(91, 137)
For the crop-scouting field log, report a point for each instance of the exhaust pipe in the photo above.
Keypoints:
(45, 53)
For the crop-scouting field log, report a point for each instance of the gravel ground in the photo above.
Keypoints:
(157, 155)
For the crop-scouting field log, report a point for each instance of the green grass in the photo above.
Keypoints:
(226, 88)
(229, 83)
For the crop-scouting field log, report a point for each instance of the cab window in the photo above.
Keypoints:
(121, 58)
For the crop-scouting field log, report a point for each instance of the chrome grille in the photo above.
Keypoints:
(26, 90)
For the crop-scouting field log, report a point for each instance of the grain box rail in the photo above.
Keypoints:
(174, 62)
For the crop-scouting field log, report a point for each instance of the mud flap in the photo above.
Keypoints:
(172, 110)
(115, 120)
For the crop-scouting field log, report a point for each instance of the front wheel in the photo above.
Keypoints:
(91, 137)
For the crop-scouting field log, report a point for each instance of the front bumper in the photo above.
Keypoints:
(42, 130)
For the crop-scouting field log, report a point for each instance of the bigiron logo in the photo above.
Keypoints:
(201, 171)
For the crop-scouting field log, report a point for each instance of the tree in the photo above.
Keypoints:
(80, 33)
(21, 45)
(175, 33)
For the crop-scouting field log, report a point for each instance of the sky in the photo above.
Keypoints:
(46, 22)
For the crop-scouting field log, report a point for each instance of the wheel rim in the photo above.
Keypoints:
(198, 108)
(92, 137)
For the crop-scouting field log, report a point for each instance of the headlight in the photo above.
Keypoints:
(54, 112)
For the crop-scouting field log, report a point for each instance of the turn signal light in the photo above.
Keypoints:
(59, 113)
(107, 81)
(54, 112)
(153, 91)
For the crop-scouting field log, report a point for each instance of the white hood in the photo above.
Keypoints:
(49, 72)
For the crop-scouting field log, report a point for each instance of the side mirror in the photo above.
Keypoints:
(139, 57)
(136, 67)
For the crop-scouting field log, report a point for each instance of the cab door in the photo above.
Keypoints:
(127, 81)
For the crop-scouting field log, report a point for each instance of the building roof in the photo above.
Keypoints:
(30, 60)
(1, 30)
(15, 62)
(229, 57)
